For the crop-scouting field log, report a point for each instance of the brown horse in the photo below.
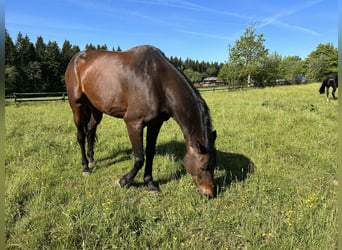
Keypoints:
(144, 89)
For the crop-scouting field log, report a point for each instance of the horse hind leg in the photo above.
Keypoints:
(94, 120)
(80, 123)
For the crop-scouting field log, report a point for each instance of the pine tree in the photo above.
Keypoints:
(25, 54)
(9, 50)
(52, 66)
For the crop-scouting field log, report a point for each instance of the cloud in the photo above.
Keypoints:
(186, 5)
(277, 18)
(203, 34)
(276, 21)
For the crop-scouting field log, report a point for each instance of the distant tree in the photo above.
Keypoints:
(40, 58)
(118, 49)
(249, 53)
(40, 48)
(25, 53)
(33, 73)
(11, 72)
(321, 62)
(90, 47)
(230, 73)
(67, 53)
(292, 68)
(194, 76)
(52, 66)
(11, 76)
(102, 47)
(211, 71)
(272, 69)
(178, 62)
(10, 53)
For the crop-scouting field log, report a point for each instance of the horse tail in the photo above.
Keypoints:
(322, 88)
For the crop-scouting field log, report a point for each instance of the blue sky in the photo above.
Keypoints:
(200, 30)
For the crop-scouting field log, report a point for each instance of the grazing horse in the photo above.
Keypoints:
(329, 81)
(143, 88)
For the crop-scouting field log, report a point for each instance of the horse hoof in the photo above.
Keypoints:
(152, 188)
(92, 164)
(117, 183)
(86, 173)
(121, 182)
(154, 192)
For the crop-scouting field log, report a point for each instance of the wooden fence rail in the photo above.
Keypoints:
(220, 88)
(54, 96)
(37, 97)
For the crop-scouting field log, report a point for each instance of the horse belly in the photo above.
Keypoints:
(112, 108)
(117, 112)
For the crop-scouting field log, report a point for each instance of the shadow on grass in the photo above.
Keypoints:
(115, 157)
(174, 148)
(235, 167)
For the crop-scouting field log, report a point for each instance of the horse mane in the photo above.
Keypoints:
(204, 111)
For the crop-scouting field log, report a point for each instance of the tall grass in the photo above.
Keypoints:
(276, 179)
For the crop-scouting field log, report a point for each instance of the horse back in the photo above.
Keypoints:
(122, 84)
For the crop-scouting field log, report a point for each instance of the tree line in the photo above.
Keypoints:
(250, 63)
(40, 66)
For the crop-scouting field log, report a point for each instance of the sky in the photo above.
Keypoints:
(199, 30)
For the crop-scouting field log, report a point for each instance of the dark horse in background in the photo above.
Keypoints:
(329, 81)
(144, 89)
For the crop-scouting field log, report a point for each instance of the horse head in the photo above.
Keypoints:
(200, 162)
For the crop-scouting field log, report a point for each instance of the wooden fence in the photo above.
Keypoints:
(220, 88)
(38, 97)
(54, 96)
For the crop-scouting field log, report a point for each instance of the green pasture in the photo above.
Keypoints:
(276, 179)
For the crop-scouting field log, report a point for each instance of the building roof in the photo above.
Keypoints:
(211, 78)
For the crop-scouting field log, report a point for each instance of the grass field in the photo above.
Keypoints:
(276, 179)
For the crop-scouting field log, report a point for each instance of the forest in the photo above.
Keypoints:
(39, 67)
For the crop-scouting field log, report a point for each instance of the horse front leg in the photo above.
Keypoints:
(327, 93)
(151, 138)
(135, 133)
(333, 93)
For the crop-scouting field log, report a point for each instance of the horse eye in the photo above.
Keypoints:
(205, 167)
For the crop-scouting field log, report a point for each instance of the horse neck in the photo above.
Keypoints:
(187, 107)
(191, 118)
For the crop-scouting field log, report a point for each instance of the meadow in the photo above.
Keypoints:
(276, 179)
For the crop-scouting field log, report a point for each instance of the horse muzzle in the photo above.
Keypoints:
(209, 194)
